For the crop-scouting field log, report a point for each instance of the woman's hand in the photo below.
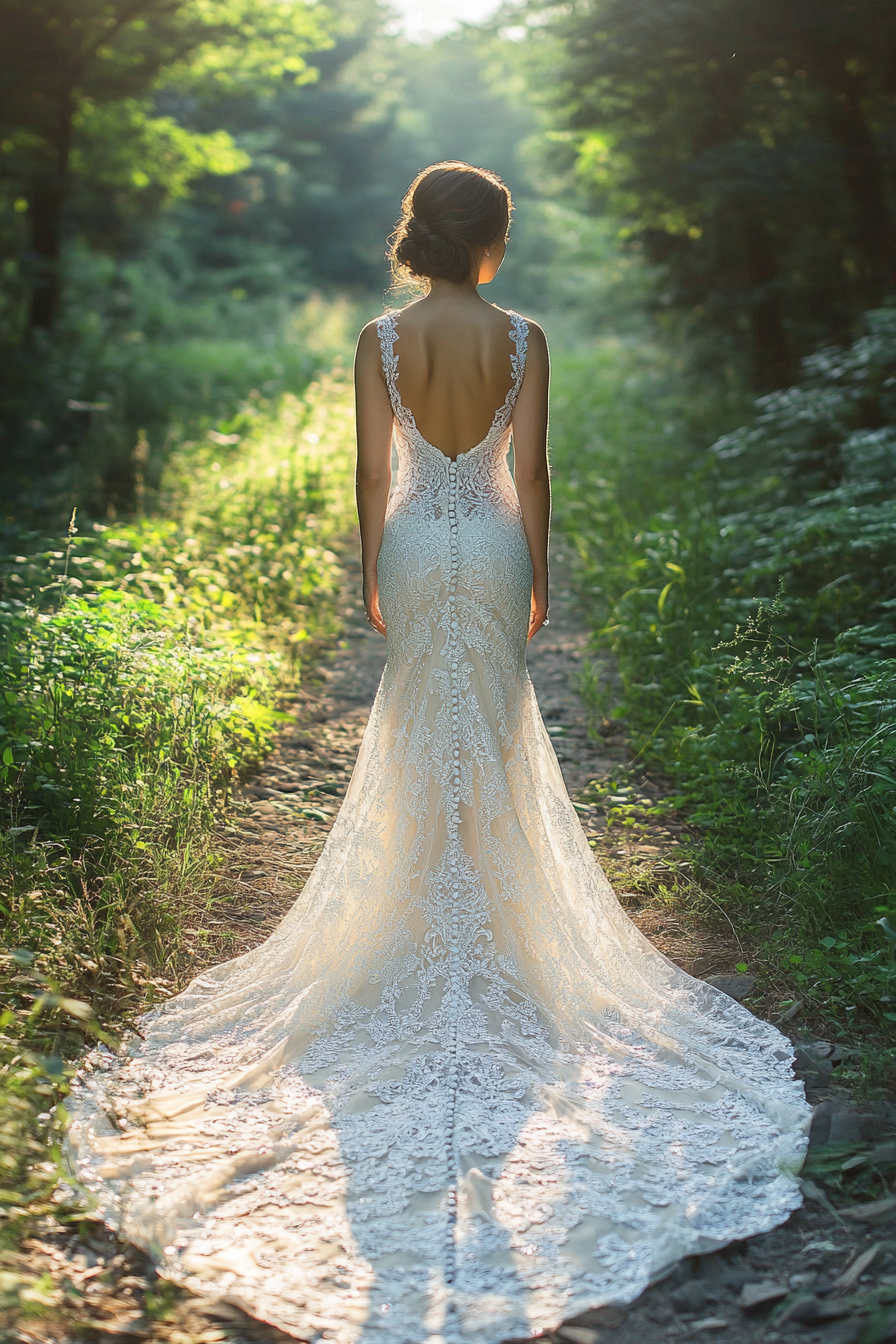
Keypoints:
(372, 604)
(538, 614)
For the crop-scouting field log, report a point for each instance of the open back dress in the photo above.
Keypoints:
(456, 1095)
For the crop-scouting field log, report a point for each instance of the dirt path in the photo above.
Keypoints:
(820, 1278)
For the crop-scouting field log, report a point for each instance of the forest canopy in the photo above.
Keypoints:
(748, 147)
(81, 108)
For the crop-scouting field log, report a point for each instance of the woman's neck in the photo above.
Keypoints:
(447, 291)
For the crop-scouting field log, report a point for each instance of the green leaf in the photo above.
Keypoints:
(661, 600)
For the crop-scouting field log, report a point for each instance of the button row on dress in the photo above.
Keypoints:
(454, 996)
(454, 797)
(452, 608)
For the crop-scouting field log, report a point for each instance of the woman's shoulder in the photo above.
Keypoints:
(530, 329)
(503, 319)
(529, 325)
(372, 332)
(374, 325)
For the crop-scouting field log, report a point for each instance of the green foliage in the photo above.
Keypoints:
(119, 737)
(248, 544)
(124, 149)
(139, 676)
(320, 188)
(856, 1172)
(144, 368)
(749, 607)
(40, 1030)
(140, 667)
(79, 78)
(744, 145)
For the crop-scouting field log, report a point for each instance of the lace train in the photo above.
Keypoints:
(456, 1094)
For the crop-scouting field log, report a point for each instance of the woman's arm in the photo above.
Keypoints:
(373, 476)
(530, 468)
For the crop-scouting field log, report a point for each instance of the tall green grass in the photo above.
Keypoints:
(140, 667)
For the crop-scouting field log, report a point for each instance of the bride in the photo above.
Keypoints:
(456, 1095)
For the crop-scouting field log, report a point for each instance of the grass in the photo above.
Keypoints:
(140, 670)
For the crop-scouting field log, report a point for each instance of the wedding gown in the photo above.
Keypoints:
(456, 1095)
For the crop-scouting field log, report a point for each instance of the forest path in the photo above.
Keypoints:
(268, 846)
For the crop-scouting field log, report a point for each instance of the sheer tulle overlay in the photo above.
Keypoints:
(456, 1095)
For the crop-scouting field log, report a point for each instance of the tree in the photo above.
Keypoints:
(330, 161)
(744, 146)
(79, 75)
(314, 201)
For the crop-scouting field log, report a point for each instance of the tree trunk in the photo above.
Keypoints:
(862, 172)
(772, 358)
(45, 211)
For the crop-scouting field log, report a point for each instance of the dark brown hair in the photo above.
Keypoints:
(451, 211)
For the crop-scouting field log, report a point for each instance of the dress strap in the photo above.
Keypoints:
(385, 327)
(519, 334)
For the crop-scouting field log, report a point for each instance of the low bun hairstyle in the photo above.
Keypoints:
(451, 213)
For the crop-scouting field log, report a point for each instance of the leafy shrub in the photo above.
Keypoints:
(753, 622)
(143, 674)
(120, 733)
(91, 414)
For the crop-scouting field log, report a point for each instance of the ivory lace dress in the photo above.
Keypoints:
(456, 1095)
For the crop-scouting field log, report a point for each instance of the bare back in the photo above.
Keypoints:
(456, 366)
(454, 370)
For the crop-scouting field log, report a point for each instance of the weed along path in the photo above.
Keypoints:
(826, 1276)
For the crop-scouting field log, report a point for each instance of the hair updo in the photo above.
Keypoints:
(450, 213)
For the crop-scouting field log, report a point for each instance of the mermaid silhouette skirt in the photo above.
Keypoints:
(456, 1095)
